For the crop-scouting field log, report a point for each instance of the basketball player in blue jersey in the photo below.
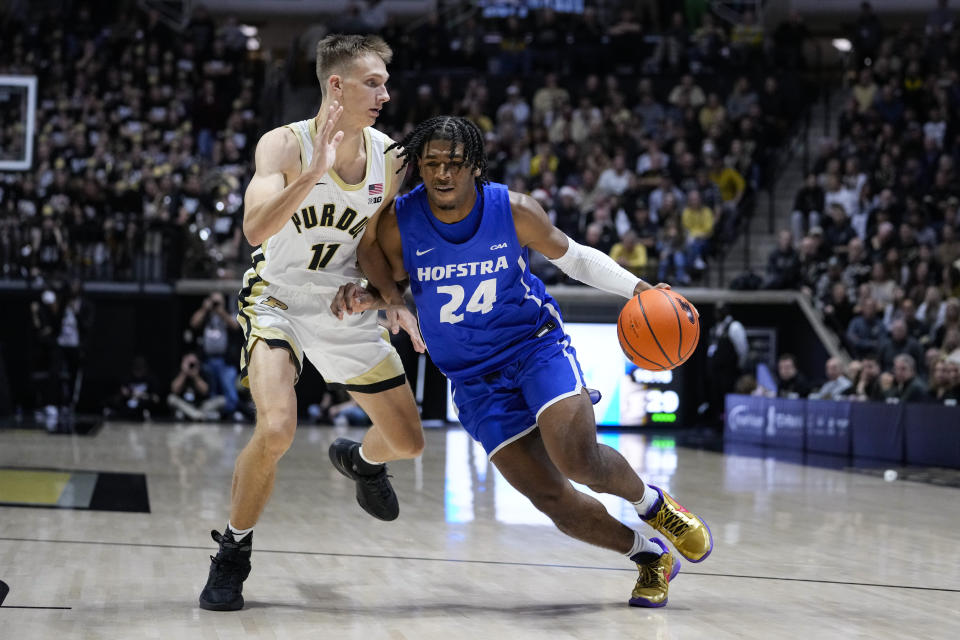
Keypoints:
(491, 327)
(318, 189)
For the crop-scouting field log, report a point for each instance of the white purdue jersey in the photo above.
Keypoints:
(316, 248)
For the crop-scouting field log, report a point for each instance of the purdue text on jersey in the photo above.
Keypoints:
(317, 246)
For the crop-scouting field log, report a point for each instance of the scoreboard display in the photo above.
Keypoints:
(630, 396)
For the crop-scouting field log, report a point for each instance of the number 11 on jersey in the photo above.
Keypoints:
(322, 254)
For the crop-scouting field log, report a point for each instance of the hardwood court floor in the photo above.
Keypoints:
(800, 551)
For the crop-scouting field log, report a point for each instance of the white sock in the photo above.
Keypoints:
(238, 534)
(647, 501)
(642, 544)
(365, 458)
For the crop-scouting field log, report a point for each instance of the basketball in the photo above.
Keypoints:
(658, 329)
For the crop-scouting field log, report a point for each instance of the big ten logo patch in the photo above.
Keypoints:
(375, 191)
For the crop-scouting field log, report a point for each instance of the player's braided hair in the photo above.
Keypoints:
(455, 129)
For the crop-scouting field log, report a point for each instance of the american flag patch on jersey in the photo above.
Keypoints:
(376, 189)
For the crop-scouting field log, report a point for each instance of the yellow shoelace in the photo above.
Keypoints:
(671, 521)
(651, 576)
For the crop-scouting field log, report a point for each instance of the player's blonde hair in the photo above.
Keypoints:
(337, 51)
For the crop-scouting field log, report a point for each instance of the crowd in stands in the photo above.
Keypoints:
(641, 136)
(143, 141)
(654, 158)
(642, 133)
(875, 231)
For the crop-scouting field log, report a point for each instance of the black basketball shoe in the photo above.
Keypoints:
(228, 569)
(374, 493)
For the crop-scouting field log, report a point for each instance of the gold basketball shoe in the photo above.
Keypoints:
(654, 581)
(689, 534)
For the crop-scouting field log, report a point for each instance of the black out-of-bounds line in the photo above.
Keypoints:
(23, 606)
(505, 563)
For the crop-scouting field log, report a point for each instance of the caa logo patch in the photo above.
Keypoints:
(502, 245)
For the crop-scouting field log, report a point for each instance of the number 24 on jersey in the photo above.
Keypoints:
(481, 300)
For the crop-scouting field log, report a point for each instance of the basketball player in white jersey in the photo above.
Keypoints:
(316, 193)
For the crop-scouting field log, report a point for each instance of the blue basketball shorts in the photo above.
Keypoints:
(503, 406)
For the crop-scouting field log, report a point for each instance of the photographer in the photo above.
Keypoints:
(75, 326)
(46, 316)
(189, 393)
(137, 398)
(212, 325)
(61, 321)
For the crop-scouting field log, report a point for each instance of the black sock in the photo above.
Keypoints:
(363, 467)
(644, 557)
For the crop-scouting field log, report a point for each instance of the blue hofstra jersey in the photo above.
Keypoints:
(479, 306)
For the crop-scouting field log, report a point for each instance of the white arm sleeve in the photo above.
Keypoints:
(596, 269)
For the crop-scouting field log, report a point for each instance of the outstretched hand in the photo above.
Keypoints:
(352, 298)
(327, 140)
(401, 318)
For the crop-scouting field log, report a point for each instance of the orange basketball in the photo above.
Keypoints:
(658, 329)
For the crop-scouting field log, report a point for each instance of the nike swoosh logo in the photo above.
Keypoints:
(420, 253)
